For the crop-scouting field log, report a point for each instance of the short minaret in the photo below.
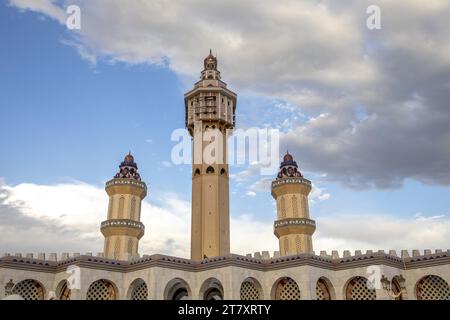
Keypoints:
(293, 226)
(210, 111)
(123, 229)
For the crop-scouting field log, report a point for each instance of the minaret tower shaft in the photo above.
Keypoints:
(210, 117)
(293, 226)
(123, 229)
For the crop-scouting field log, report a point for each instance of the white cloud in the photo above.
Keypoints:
(318, 194)
(381, 232)
(46, 7)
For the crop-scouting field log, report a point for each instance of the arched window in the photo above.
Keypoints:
(283, 208)
(121, 206)
(177, 289)
(286, 289)
(297, 243)
(295, 206)
(286, 246)
(223, 172)
(63, 291)
(101, 290)
(432, 287)
(133, 209)
(359, 288)
(29, 289)
(210, 170)
(197, 172)
(250, 290)
(323, 289)
(130, 246)
(138, 290)
(211, 290)
(116, 249)
(110, 207)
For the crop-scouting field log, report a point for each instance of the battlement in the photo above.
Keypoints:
(51, 256)
(335, 254)
(345, 255)
(265, 255)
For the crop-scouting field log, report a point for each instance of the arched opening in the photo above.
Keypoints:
(251, 289)
(177, 289)
(63, 291)
(197, 172)
(396, 288)
(324, 289)
(210, 170)
(102, 290)
(29, 289)
(223, 172)
(286, 289)
(211, 290)
(359, 288)
(138, 290)
(432, 287)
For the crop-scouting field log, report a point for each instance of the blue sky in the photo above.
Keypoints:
(66, 119)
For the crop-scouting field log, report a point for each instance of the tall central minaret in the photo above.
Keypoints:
(210, 111)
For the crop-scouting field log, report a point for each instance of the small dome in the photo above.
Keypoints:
(129, 158)
(288, 157)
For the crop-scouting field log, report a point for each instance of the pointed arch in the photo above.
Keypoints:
(295, 206)
(133, 209)
(283, 207)
(121, 207)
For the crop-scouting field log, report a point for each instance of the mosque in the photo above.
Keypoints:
(295, 272)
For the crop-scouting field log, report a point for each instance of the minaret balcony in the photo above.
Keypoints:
(132, 182)
(294, 226)
(295, 180)
(126, 186)
(122, 227)
(294, 185)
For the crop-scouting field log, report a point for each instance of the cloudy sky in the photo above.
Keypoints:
(366, 114)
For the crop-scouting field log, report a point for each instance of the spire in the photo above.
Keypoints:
(210, 62)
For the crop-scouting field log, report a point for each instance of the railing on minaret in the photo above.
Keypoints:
(293, 226)
(123, 229)
(210, 112)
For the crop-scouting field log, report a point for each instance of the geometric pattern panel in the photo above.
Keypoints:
(287, 289)
(249, 291)
(140, 291)
(322, 292)
(432, 288)
(359, 289)
(101, 290)
(29, 290)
